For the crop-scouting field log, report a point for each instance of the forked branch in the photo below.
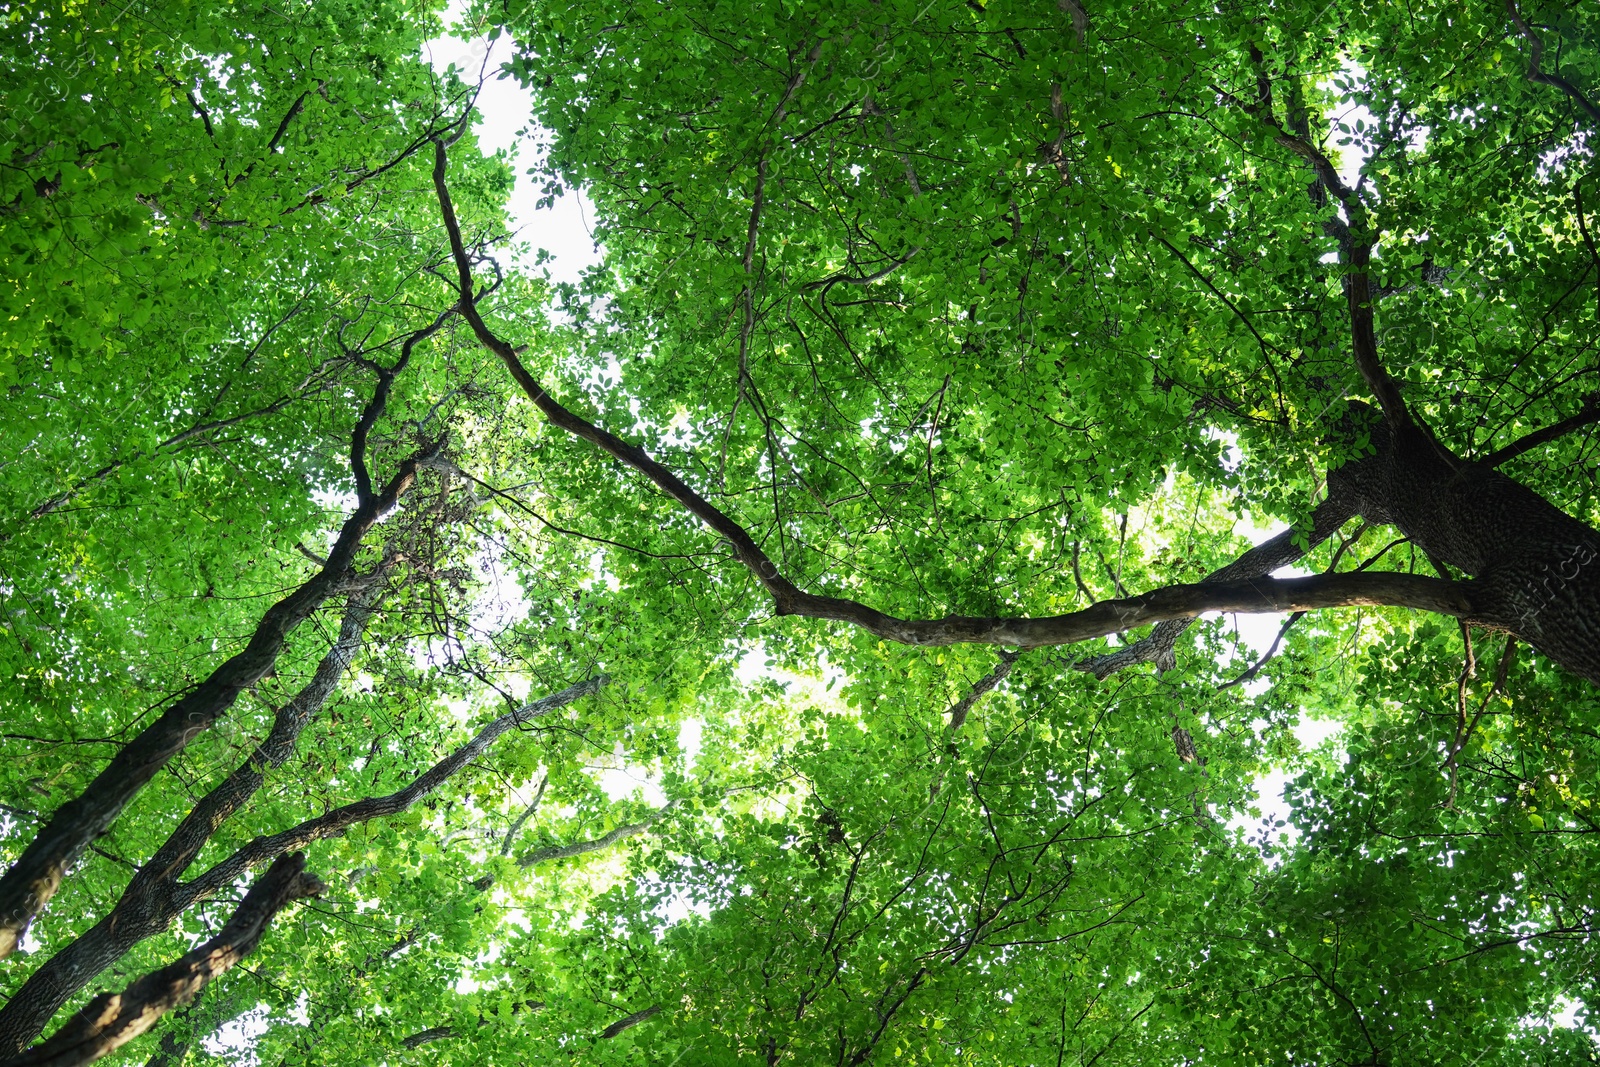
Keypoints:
(1537, 74)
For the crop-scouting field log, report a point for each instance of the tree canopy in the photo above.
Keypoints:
(812, 637)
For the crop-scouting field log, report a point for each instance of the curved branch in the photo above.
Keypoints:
(1099, 620)
(1535, 74)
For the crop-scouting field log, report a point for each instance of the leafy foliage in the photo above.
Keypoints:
(991, 309)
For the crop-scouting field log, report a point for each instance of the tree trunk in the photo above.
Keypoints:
(1535, 569)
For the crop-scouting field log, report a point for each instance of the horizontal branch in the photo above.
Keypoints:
(1247, 597)
(1279, 551)
(1109, 617)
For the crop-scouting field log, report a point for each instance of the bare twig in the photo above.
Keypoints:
(1465, 729)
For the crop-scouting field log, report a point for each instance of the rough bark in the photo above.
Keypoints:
(37, 874)
(111, 1020)
(153, 909)
(1535, 569)
(147, 906)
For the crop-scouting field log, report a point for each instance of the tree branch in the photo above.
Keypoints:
(149, 905)
(606, 840)
(1266, 657)
(1172, 602)
(1356, 240)
(1587, 416)
(1279, 551)
(1002, 670)
(111, 1020)
(629, 1021)
(34, 878)
(340, 819)
(1465, 729)
(1535, 74)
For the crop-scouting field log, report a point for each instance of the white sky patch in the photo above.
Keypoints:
(1257, 633)
(506, 123)
(622, 780)
(689, 740)
(1311, 733)
(1231, 456)
(1565, 1013)
(236, 1038)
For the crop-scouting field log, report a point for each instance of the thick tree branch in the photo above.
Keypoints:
(111, 1020)
(629, 1021)
(1172, 602)
(1279, 551)
(36, 875)
(149, 904)
(429, 1036)
(1364, 337)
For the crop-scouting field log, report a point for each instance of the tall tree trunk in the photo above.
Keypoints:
(149, 906)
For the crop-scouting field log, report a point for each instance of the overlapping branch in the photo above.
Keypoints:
(111, 1020)
(1587, 416)
(155, 898)
(1280, 551)
(149, 904)
(35, 877)
(1356, 235)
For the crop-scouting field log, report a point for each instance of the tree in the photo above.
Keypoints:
(920, 328)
